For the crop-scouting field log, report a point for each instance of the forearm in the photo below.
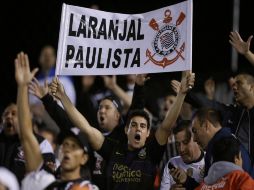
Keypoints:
(29, 142)
(138, 98)
(56, 112)
(94, 136)
(250, 57)
(165, 129)
(119, 92)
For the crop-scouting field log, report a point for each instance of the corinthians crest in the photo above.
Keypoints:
(166, 44)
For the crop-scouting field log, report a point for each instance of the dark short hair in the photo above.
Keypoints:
(115, 100)
(183, 125)
(76, 134)
(226, 149)
(206, 113)
(138, 112)
(248, 77)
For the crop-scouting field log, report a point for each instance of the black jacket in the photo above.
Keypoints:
(233, 116)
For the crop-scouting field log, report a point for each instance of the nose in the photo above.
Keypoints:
(101, 110)
(234, 86)
(66, 149)
(195, 139)
(8, 115)
(139, 128)
(181, 148)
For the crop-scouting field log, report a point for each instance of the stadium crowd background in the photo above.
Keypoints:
(28, 25)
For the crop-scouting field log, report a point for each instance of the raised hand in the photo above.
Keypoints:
(23, 75)
(57, 88)
(209, 87)
(175, 85)
(187, 82)
(110, 82)
(38, 90)
(241, 46)
(141, 79)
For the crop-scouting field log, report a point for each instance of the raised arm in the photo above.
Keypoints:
(163, 132)
(241, 46)
(56, 112)
(94, 136)
(29, 142)
(110, 83)
(199, 100)
(138, 98)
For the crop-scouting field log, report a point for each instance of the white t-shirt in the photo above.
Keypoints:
(196, 169)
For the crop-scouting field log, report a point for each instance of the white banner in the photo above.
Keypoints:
(93, 42)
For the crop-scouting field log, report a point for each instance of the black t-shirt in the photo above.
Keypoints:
(99, 164)
(12, 154)
(131, 169)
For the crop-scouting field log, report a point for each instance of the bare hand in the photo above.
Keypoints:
(187, 82)
(38, 90)
(141, 79)
(176, 85)
(110, 82)
(178, 175)
(241, 46)
(56, 88)
(23, 75)
(209, 87)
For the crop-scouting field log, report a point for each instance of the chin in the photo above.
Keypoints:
(187, 160)
(134, 146)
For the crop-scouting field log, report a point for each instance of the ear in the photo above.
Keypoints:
(207, 125)
(126, 129)
(84, 159)
(148, 132)
(252, 87)
(117, 115)
(237, 159)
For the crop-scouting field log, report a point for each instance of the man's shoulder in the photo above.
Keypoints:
(37, 180)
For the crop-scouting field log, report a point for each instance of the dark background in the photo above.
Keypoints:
(27, 26)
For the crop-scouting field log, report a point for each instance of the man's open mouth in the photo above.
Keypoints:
(137, 137)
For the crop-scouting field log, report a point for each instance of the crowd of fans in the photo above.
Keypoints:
(107, 137)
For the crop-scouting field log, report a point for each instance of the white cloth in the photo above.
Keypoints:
(196, 167)
(37, 180)
(8, 179)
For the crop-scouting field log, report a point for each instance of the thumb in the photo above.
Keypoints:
(34, 71)
(46, 83)
(185, 73)
(249, 39)
(55, 80)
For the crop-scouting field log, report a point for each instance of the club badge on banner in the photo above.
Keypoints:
(94, 42)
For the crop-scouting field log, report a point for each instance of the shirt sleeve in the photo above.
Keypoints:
(167, 180)
(107, 148)
(156, 150)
